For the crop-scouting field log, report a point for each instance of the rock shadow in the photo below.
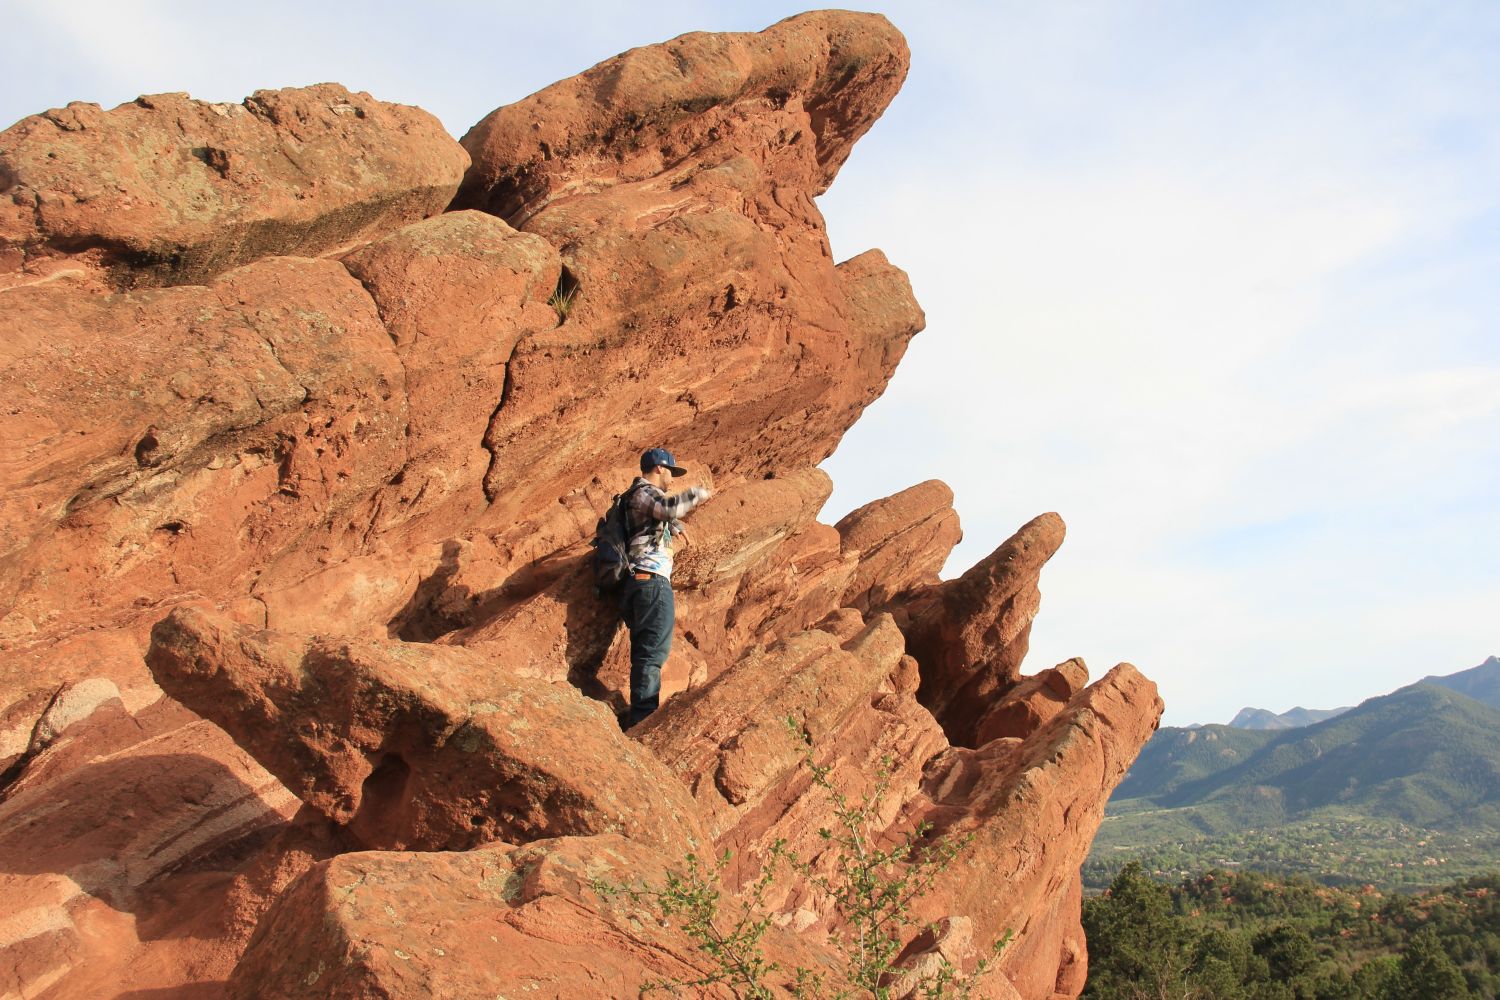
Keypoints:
(436, 606)
(548, 608)
(590, 622)
(120, 828)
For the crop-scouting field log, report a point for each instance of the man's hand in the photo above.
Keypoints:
(681, 535)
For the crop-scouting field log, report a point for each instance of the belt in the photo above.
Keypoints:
(643, 576)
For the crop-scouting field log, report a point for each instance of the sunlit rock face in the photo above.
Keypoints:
(310, 410)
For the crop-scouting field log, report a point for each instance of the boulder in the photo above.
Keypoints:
(538, 920)
(167, 190)
(415, 746)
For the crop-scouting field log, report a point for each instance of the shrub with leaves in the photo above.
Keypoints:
(692, 900)
(872, 890)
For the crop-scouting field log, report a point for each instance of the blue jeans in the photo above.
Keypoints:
(648, 610)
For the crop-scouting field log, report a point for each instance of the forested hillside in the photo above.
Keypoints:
(1403, 790)
(1482, 683)
(1248, 936)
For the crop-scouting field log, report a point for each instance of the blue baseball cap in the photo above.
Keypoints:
(652, 457)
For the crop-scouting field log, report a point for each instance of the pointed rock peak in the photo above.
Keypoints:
(1015, 562)
(970, 635)
(820, 79)
(865, 527)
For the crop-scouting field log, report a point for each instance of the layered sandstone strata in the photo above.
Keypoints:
(304, 676)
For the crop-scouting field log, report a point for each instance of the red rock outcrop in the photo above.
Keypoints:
(901, 541)
(496, 921)
(320, 460)
(1032, 701)
(827, 75)
(120, 831)
(970, 634)
(1033, 806)
(168, 190)
(418, 747)
(169, 443)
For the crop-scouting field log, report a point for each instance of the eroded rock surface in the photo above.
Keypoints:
(419, 747)
(901, 541)
(971, 634)
(1033, 806)
(497, 921)
(168, 190)
(828, 73)
(329, 456)
(179, 440)
(456, 293)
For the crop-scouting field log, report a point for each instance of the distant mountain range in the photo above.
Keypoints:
(1421, 764)
(1262, 718)
(1482, 683)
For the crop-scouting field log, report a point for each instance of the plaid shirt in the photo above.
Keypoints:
(654, 519)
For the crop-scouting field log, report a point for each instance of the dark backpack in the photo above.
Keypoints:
(612, 545)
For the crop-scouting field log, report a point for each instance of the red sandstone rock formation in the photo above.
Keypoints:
(970, 634)
(169, 190)
(496, 921)
(901, 541)
(418, 747)
(332, 490)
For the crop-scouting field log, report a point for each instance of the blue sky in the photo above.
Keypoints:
(1215, 281)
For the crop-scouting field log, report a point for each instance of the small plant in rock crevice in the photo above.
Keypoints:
(872, 889)
(563, 296)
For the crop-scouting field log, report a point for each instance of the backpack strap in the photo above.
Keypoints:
(626, 502)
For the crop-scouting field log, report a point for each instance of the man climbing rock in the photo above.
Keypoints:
(654, 520)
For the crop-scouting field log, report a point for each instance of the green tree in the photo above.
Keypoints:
(1247, 935)
(1221, 960)
(1426, 971)
(1291, 960)
(1376, 979)
(1137, 945)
